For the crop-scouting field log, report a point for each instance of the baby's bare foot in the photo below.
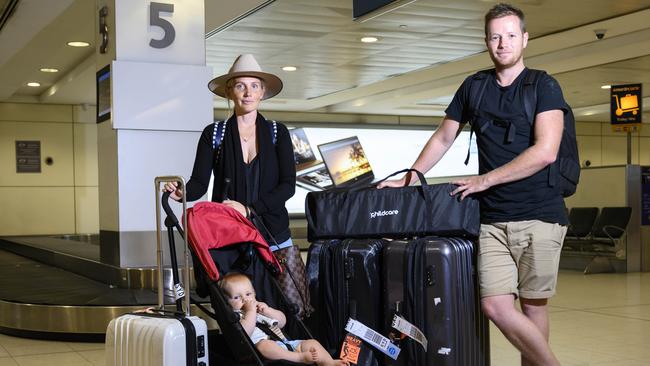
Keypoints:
(309, 357)
(314, 355)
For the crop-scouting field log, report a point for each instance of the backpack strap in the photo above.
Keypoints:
(530, 93)
(476, 91)
(219, 132)
(530, 104)
(273, 128)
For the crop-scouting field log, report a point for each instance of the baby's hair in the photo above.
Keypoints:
(232, 277)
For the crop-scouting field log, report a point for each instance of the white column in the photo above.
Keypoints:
(159, 104)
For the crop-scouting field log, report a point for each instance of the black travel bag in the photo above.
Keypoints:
(344, 281)
(431, 283)
(403, 212)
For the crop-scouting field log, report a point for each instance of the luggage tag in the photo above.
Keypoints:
(409, 330)
(351, 349)
(373, 338)
(179, 291)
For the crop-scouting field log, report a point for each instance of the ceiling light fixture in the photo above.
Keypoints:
(33, 84)
(289, 68)
(606, 87)
(78, 44)
(48, 69)
(369, 39)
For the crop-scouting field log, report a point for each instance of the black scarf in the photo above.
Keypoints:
(230, 163)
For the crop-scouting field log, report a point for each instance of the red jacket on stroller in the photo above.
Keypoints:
(213, 225)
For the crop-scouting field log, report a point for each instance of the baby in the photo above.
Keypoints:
(241, 297)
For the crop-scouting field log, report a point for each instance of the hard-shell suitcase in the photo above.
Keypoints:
(345, 281)
(433, 283)
(159, 337)
(135, 339)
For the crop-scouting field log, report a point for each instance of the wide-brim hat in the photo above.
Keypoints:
(246, 65)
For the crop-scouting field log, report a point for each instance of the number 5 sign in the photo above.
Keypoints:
(168, 31)
(155, 10)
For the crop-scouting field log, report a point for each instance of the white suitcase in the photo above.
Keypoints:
(161, 338)
(146, 340)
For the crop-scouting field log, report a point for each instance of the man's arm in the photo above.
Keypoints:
(433, 151)
(549, 127)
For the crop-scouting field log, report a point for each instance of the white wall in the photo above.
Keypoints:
(62, 199)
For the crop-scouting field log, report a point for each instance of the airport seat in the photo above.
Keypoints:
(581, 223)
(606, 236)
(611, 226)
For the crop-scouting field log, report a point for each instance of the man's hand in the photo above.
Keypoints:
(470, 185)
(392, 183)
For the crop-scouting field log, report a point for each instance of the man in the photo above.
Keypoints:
(523, 219)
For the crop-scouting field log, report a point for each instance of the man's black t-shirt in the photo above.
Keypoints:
(502, 133)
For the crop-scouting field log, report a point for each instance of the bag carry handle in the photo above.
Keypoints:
(423, 181)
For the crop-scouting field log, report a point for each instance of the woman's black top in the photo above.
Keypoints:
(272, 182)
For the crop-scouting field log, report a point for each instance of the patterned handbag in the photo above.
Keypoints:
(293, 278)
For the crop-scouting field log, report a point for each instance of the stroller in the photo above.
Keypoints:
(222, 241)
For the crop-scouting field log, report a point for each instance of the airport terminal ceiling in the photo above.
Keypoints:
(424, 50)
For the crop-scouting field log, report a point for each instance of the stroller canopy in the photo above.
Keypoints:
(213, 225)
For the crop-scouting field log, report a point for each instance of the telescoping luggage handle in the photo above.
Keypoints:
(159, 253)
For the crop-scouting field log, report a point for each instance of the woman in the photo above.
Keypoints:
(253, 163)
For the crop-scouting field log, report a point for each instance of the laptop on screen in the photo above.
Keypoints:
(311, 173)
(346, 162)
(302, 151)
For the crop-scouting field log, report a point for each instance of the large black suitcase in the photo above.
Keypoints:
(434, 282)
(345, 281)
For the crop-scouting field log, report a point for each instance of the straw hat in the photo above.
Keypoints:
(245, 65)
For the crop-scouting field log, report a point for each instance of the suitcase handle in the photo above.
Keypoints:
(423, 181)
(159, 253)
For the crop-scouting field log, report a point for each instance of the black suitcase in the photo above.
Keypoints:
(434, 282)
(345, 281)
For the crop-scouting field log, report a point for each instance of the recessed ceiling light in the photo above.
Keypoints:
(78, 44)
(33, 84)
(369, 39)
(606, 87)
(289, 68)
(48, 69)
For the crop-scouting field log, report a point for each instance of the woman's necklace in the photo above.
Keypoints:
(245, 139)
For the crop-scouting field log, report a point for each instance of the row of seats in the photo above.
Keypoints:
(597, 230)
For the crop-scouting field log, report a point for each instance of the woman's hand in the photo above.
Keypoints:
(172, 187)
(237, 206)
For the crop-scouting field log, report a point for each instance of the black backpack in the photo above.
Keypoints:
(565, 172)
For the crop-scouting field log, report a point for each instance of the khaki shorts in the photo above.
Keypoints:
(520, 258)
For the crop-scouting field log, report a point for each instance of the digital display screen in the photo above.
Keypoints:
(345, 160)
(363, 7)
(104, 94)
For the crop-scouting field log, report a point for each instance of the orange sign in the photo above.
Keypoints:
(626, 107)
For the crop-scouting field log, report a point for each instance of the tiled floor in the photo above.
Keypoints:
(599, 320)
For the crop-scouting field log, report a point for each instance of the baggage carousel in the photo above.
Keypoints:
(55, 287)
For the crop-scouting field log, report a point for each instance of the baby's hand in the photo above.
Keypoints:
(249, 306)
(261, 307)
